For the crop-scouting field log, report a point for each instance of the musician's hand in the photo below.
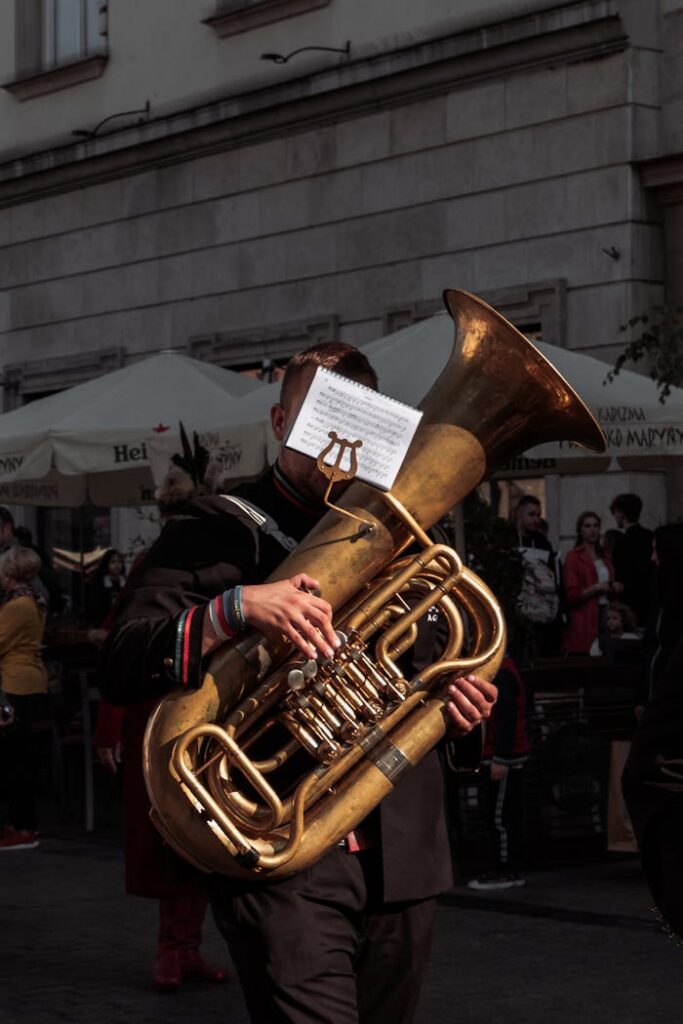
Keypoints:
(471, 701)
(110, 757)
(288, 609)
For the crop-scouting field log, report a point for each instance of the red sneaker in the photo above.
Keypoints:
(18, 839)
(167, 972)
(195, 967)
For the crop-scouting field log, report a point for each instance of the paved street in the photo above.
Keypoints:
(576, 945)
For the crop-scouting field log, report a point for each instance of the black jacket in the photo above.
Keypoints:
(653, 787)
(633, 568)
(196, 557)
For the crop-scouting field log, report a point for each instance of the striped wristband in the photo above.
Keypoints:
(178, 660)
(220, 620)
(237, 604)
(215, 622)
(182, 660)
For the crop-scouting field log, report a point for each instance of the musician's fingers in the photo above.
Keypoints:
(482, 700)
(319, 613)
(315, 633)
(324, 607)
(456, 722)
(487, 689)
(302, 581)
(469, 711)
(290, 632)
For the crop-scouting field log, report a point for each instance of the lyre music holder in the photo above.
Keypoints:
(334, 473)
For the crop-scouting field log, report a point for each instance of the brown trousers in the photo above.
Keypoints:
(321, 947)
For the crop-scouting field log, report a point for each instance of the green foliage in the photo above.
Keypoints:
(659, 339)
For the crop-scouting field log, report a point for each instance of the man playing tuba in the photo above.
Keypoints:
(347, 939)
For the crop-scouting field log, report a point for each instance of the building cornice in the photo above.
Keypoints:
(229, 348)
(39, 376)
(665, 176)
(578, 31)
(39, 83)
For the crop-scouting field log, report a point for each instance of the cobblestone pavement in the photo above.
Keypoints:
(576, 945)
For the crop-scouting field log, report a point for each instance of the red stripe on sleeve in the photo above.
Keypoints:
(186, 645)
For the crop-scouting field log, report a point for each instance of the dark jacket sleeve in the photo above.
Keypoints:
(653, 787)
(137, 658)
(155, 641)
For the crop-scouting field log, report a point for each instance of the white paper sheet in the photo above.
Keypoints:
(356, 413)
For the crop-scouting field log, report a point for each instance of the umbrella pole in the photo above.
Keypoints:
(81, 543)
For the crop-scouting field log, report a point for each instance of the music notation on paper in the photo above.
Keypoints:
(357, 413)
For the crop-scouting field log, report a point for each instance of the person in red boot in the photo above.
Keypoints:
(152, 869)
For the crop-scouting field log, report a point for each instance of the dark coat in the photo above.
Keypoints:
(633, 568)
(653, 788)
(195, 558)
(152, 868)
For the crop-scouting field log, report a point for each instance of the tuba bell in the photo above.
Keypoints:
(273, 760)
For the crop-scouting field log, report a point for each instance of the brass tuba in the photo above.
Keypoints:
(274, 759)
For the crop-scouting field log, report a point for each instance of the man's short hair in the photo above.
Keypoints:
(527, 499)
(343, 359)
(629, 505)
(6, 517)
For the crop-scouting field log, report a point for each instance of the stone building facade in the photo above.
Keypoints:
(164, 186)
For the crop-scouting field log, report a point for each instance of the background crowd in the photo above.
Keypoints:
(615, 595)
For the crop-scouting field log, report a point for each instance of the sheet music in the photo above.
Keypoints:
(355, 412)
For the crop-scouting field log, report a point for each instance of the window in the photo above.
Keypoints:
(263, 351)
(234, 16)
(70, 30)
(59, 43)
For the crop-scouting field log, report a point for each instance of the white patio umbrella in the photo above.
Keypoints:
(640, 431)
(75, 445)
(91, 442)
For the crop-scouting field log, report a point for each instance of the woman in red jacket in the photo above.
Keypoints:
(588, 583)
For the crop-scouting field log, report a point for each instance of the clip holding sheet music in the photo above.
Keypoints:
(334, 473)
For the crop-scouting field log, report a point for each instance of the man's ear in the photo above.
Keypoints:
(278, 421)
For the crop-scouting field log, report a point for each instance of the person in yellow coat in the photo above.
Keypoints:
(24, 683)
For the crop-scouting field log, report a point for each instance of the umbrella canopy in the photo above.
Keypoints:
(91, 441)
(641, 432)
(76, 445)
